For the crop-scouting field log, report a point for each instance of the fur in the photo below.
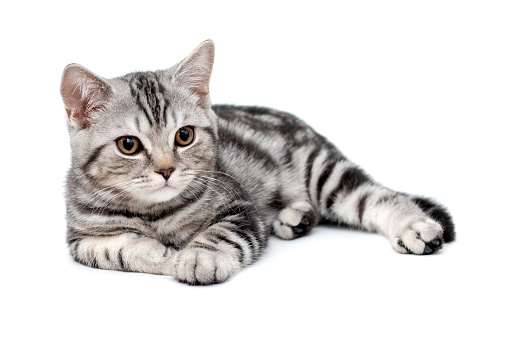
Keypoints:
(249, 172)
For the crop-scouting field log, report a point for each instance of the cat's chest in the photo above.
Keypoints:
(178, 228)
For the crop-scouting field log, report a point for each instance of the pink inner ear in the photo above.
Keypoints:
(83, 93)
(196, 78)
(195, 71)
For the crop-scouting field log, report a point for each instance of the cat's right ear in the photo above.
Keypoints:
(84, 94)
(194, 71)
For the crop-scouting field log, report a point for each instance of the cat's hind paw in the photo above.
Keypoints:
(295, 220)
(422, 237)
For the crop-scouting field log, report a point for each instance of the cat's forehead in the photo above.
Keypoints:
(151, 102)
(146, 96)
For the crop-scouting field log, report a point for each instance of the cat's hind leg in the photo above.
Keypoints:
(410, 226)
(345, 194)
(295, 220)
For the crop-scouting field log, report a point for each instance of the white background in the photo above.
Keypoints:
(415, 92)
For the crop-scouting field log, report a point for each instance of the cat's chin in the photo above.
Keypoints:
(163, 194)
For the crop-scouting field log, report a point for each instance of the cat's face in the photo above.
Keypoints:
(143, 137)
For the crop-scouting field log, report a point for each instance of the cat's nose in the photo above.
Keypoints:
(166, 172)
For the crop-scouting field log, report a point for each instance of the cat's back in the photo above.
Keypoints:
(264, 121)
(264, 137)
(267, 152)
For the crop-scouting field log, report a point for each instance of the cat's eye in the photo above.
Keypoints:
(129, 145)
(184, 136)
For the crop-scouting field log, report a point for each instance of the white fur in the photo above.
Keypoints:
(289, 217)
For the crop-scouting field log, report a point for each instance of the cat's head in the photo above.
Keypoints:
(143, 136)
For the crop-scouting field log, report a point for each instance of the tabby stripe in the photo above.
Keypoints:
(151, 89)
(72, 236)
(324, 176)
(361, 205)
(209, 130)
(165, 111)
(232, 211)
(309, 164)
(98, 230)
(166, 251)
(255, 110)
(424, 204)
(253, 150)
(237, 116)
(351, 179)
(249, 238)
(276, 202)
(93, 261)
(234, 244)
(166, 101)
(87, 209)
(387, 198)
(236, 222)
(268, 124)
(93, 157)
(123, 266)
(137, 123)
(135, 92)
(212, 240)
(246, 230)
(142, 108)
(261, 239)
(203, 246)
(76, 244)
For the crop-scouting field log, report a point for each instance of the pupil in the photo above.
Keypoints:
(184, 135)
(128, 144)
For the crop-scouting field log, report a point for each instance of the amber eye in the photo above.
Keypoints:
(129, 145)
(184, 136)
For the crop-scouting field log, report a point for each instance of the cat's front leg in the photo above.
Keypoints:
(234, 239)
(123, 252)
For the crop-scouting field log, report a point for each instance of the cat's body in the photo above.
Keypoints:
(162, 182)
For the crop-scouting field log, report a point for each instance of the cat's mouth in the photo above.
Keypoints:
(166, 186)
(160, 192)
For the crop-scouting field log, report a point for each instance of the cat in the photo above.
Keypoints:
(163, 182)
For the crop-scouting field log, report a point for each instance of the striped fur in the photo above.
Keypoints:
(249, 172)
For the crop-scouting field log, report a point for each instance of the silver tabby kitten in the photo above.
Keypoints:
(162, 182)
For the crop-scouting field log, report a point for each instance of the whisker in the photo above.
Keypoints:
(122, 194)
(222, 185)
(114, 193)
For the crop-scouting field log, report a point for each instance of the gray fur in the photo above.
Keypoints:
(250, 172)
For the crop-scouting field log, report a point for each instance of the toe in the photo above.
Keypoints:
(428, 230)
(412, 242)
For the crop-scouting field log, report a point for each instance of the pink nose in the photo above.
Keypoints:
(166, 172)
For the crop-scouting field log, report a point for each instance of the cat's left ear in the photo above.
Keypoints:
(84, 94)
(195, 71)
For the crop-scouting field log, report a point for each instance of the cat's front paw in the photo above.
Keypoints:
(420, 237)
(199, 266)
